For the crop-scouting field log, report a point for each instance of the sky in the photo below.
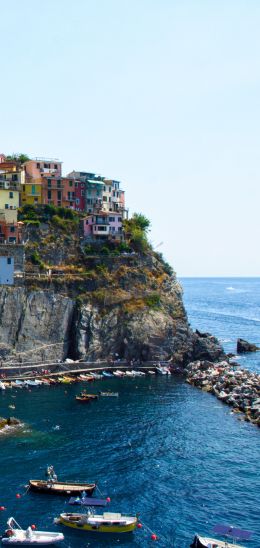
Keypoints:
(163, 95)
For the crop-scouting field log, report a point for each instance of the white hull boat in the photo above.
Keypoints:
(16, 536)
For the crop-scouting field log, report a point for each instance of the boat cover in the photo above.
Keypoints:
(230, 531)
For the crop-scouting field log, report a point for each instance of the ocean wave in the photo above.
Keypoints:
(237, 289)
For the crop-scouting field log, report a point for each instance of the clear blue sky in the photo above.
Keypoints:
(161, 94)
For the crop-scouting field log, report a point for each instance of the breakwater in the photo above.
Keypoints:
(236, 387)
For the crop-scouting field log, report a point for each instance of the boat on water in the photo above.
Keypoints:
(129, 374)
(119, 373)
(2, 386)
(61, 488)
(96, 376)
(87, 501)
(138, 373)
(107, 374)
(224, 530)
(111, 394)
(16, 536)
(83, 399)
(108, 522)
(151, 372)
(90, 396)
(162, 370)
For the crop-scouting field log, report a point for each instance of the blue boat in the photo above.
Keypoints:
(107, 374)
(87, 501)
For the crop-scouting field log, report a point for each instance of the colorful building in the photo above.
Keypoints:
(39, 172)
(103, 225)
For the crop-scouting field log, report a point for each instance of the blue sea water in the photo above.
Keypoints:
(163, 448)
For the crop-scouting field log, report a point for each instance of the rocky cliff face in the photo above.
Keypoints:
(134, 310)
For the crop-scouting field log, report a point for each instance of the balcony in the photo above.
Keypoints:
(55, 186)
(101, 229)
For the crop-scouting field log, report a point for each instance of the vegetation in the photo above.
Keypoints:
(136, 230)
(18, 157)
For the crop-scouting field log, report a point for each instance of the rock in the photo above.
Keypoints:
(244, 346)
(10, 421)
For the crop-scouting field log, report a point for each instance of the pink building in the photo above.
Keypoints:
(104, 225)
(43, 167)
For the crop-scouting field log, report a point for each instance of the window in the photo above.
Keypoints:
(49, 194)
(76, 184)
(12, 240)
(111, 219)
(33, 189)
(58, 184)
(104, 198)
(47, 166)
(59, 195)
(35, 200)
(70, 183)
(12, 228)
(49, 182)
(14, 177)
(110, 189)
(11, 194)
(55, 166)
(77, 201)
(82, 193)
(119, 219)
(9, 260)
(6, 206)
(38, 165)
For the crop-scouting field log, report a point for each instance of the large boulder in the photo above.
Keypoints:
(245, 346)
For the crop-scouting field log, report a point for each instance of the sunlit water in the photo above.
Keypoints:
(163, 448)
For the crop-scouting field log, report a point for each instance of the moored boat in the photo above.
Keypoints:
(224, 530)
(87, 501)
(107, 374)
(16, 536)
(61, 488)
(83, 399)
(90, 396)
(111, 394)
(107, 522)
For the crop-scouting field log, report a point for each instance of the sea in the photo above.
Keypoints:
(163, 449)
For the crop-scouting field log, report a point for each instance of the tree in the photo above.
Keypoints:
(18, 157)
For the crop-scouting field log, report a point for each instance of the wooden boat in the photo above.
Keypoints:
(107, 522)
(83, 399)
(61, 488)
(16, 536)
(90, 396)
(87, 501)
(112, 394)
(225, 530)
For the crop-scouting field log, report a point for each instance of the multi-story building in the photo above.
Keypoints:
(12, 177)
(113, 197)
(69, 192)
(91, 189)
(103, 225)
(43, 182)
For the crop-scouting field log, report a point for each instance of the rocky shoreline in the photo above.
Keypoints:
(238, 388)
(10, 421)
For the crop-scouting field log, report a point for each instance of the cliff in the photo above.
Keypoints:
(79, 302)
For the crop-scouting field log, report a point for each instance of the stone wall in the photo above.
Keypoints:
(17, 252)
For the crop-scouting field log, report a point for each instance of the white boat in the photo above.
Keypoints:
(16, 536)
(2, 386)
(129, 374)
(19, 383)
(138, 373)
(161, 370)
(120, 373)
(225, 531)
(151, 372)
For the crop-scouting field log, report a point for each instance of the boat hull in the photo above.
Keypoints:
(58, 488)
(99, 528)
(206, 542)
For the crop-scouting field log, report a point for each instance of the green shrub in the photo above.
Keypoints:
(153, 300)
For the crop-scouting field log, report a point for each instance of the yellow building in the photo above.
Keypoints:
(32, 191)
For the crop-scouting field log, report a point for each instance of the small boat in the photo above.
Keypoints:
(87, 501)
(2, 386)
(107, 522)
(151, 372)
(138, 373)
(129, 374)
(16, 536)
(107, 374)
(19, 383)
(117, 373)
(96, 376)
(111, 394)
(83, 399)
(90, 396)
(120, 373)
(61, 488)
(161, 370)
(31, 382)
(224, 530)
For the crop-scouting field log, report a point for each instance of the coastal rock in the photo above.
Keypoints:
(245, 346)
(10, 421)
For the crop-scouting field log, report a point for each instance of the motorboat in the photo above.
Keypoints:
(138, 373)
(87, 501)
(16, 536)
(96, 376)
(111, 394)
(108, 522)
(119, 373)
(161, 370)
(129, 374)
(90, 396)
(223, 530)
(107, 374)
(151, 372)
(61, 488)
(2, 386)
(83, 399)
